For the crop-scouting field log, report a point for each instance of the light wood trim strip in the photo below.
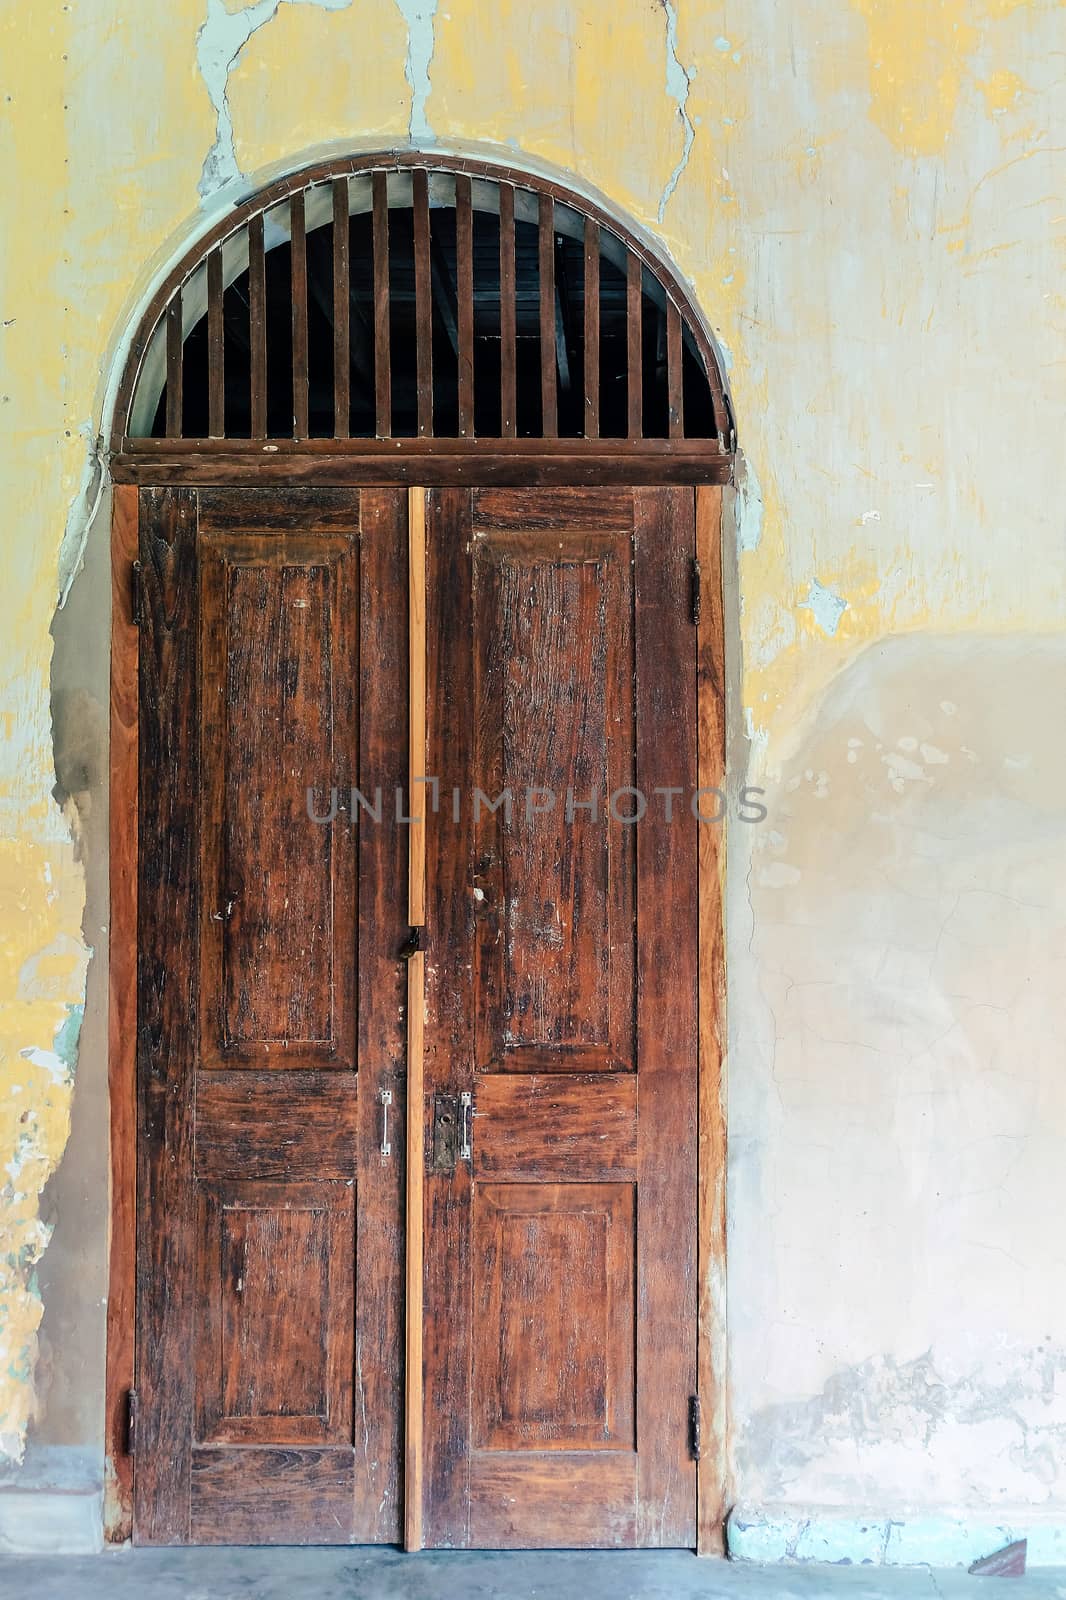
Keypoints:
(382, 355)
(549, 398)
(122, 1017)
(298, 229)
(508, 328)
(416, 910)
(634, 345)
(711, 1204)
(592, 329)
(423, 303)
(174, 367)
(342, 355)
(216, 351)
(464, 294)
(257, 324)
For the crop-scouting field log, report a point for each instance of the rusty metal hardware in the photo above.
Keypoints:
(445, 1132)
(694, 1426)
(414, 942)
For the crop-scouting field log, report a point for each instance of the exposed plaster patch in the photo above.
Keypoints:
(826, 607)
(420, 16)
(678, 83)
(222, 36)
(749, 505)
(83, 509)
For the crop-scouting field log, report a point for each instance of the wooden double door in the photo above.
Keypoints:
(548, 1258)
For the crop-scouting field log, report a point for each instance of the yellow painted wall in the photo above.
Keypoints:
(867, 197)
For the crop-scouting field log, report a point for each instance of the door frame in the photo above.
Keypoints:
(712, 1468)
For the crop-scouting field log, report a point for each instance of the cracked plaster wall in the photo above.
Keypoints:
(866, 197)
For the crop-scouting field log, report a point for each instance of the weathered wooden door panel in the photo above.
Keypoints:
(270, 1018)
(561, 997)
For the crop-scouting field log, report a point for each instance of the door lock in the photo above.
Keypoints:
(452, 1131)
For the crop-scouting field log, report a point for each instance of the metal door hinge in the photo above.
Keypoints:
(414, 942)
(131, 1421)
(697, 593)
(135, 594)
(694, 1426)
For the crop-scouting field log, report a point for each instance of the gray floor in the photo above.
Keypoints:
(289, 1574)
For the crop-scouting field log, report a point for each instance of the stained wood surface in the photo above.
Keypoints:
(298, 230)
(167, 907)
(464, 294)
(341, 312)
(416, 912)
(122, 1018)
(216, 347)
(423, 304)
(711, 737)
(382, 335)
(508, 347)
(257, 334)
(560, 1267)
(270, 1373)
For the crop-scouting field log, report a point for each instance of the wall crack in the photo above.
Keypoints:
(678, 84)
(420, 17)
(220, 40)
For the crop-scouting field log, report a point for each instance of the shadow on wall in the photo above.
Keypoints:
(898, 1265)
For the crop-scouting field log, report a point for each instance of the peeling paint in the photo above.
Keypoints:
(221, 38)
(419, 16)
(826, 607)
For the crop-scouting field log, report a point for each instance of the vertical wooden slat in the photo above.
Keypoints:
(674, 391)
(416, 914)
(711, 1204)
(634, 345)
(298, 228)
(508, 329)
(122, 1015)
(168, 911)
(174, 366)
(342, 361)
(464, 289)
(257, 324)
(423, 304)
(382, 357)
(216, 351)
(592, 329)
(549, 404)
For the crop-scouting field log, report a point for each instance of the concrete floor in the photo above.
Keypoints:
(360, 1574)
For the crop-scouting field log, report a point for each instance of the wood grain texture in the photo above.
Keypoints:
(276, 1303)
(634, 347)
(272, 1496)
(711, 754)
(549, 394)
(175, 365)
(464, 290)
(592, 329)
(168, 909)
(508, 345)
(449, 1030)
(423, 304)
(598, 1490)
(667, 1020)
(416, 913)
(122, 1018)
(298, 230)
(216, 348)
(278, 928)
(311, 1133)
(675, 391)
(342, 355)
(382, 332)
(257, 331)
(555, 1125)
